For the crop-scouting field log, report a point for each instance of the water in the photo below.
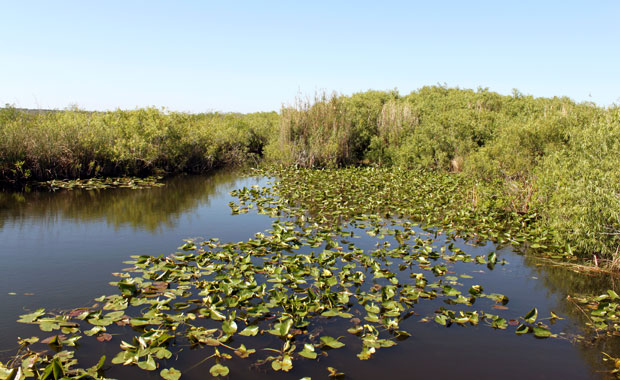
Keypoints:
(59, 250)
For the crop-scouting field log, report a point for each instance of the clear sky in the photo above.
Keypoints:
(248, 56)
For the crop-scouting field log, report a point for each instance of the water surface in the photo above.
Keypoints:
(59, 250)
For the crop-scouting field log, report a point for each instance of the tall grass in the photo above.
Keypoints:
(73, 143)
(329, 131)
(556, 158)
(316, 134)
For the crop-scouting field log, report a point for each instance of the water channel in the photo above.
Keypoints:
(58, 250)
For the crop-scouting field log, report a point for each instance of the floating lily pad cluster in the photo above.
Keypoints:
(602, 315)
(445, 202)
(103, 183)
(310, 285)
(602, 312)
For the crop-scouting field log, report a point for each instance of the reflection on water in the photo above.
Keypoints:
(58, 251)
(148, 209)
(564, 281)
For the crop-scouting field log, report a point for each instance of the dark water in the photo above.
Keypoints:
(59, 250)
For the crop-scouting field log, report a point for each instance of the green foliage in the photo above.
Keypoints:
(317, 134)
(332, 131)
(364, 110)
(551, 156)
(578, 188)
(74, 144)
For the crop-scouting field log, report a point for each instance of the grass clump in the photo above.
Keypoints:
(332, 131)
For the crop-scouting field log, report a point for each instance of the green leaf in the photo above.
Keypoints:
(285, 364)
(366, 353)
(522, 329)
(9, 374)
(47, 372)
(249, 331)
(386, 343)
(372, 308)
(541, 332)
(29, 318)
(219, 370)
(57, 369)
(94, 330)
(475, 290)
(336, 313)
(170, 374)
(229, 327)
(120, 358)
(492, 257)
(49, 326)
(555, 316)
(333, 373)
(308, 351)
(100, 363)
(216, 315)
(149, 364)
(243, 352)
(28, 341)
(531, 316)
(331, 342)
(161, 353)
(70, 342)
(285, 327)
(450, 291)
(441, 319)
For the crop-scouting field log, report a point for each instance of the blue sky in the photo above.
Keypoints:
(242, 56)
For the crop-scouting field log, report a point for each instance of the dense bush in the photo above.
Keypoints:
(578, 187)
(555, 158)
(73, 143)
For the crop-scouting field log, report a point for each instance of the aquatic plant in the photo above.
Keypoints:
(342, 266)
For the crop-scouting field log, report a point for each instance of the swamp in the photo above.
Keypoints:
(446, 233)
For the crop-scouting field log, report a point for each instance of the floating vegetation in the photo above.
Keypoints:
(474, 211)
(103, 183)
(602, 312)
(349, 257)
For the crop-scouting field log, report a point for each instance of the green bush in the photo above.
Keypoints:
(578, 188)
(73, 143)
(554, 157)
